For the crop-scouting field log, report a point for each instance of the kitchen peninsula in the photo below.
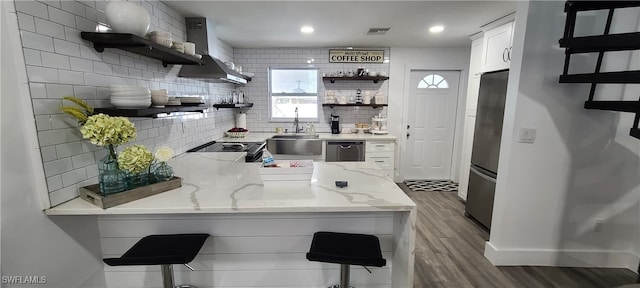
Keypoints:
(261, 230)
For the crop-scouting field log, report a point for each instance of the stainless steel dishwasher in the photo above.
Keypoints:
(345, 151)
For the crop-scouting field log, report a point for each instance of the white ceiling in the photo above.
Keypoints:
(259, 24)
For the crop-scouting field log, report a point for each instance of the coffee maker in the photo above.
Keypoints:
(335, 124)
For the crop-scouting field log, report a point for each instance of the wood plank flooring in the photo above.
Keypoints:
(450, 248)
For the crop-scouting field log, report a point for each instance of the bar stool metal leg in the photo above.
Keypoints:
(344, 275)
(167, 276)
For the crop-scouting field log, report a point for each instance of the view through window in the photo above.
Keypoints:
(290, 88)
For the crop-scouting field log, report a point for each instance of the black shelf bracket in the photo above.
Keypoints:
(601, 44)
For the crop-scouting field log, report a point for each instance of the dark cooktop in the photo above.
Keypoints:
(253, 149)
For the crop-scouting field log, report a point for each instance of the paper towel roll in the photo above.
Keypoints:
(241, 120)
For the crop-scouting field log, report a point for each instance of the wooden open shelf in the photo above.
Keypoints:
(374, 106)
(149, 112)
(140, 46)
(243, 105)
(375, 79)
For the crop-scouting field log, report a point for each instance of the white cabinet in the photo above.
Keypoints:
(467, 147)
(496, 52)
(383, 154)
(475, 71)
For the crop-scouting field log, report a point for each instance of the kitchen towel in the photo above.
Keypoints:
(241, 120)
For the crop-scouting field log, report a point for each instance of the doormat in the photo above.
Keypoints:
(432, 185)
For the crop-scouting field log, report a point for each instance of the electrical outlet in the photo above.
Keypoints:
(597, 225)
(527, 135)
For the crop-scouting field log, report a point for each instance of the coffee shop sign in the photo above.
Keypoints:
(356, 56)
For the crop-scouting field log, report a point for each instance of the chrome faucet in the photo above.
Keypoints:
(296, 123)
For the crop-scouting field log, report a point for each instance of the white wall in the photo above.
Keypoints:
(583, 167)
(402, 61)
(64, 250)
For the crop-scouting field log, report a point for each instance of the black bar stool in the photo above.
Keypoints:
(346, 249)
(164, 250)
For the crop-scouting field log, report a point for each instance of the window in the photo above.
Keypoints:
(433, 81)
(291, 88)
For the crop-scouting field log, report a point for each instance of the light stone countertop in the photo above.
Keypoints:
(222, 183)
(263, 136)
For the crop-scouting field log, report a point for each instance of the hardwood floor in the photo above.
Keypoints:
(450, 247)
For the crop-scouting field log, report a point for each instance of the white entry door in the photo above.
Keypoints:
(432, 118)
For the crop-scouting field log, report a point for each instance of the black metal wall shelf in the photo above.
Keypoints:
(243, 105)
(374, 106)
(375, 79)
(140, 46)
(601, 44)
(149, 112)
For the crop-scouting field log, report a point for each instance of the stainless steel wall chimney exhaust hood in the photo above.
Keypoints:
(202, 33)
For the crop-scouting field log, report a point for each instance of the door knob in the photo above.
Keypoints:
(408, 126)
(408, 134)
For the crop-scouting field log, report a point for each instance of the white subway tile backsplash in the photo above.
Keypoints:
(53, 60)
(54, 182)
(65, 194)
(74, 176)
(86, 25)
(42, 74)
(83, 160)
(71, 77)
(90, 3)
(73, 7)
(66, 48)
(26, 22)
(62, 17)
(38, 90)
(36, 41)
(73, 67)
(48, 153)
(79, 64)
(95, 15)
(32, 57)
(73, 35)
(43, 122)
(110, 57)
(54, 3)
(32, 8)
(58, 90)
(84, 92)
(49, 28)
(62, 121)
(66, 150)
(90, 53)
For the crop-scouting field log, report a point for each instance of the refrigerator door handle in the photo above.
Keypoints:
(482, 175)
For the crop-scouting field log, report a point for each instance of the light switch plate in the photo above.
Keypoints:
(527, 135)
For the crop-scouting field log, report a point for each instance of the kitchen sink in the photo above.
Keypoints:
(295, 144)
(296, 136)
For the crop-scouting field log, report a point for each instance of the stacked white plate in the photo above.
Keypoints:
(191, 101)
(130, 97)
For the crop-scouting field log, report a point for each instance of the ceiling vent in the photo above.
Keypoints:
(378, 31)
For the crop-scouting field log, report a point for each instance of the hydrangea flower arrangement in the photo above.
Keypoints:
(135, 159)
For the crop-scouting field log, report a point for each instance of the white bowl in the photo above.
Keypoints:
(131, 95)
(128, 17)
(189, 48)
(159, 100)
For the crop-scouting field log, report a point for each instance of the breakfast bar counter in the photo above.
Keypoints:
(261, 230)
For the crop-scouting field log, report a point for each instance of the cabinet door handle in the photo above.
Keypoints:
(509, 53)
(504, 59)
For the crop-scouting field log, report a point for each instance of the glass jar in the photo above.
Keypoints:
(163, 172)
(110, 179)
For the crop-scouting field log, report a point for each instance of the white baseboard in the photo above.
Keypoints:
(561, 258)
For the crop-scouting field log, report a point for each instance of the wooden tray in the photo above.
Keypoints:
(92, 195)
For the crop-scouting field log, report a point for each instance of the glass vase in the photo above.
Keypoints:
(135, 180)
(163, 172)
(110, 179)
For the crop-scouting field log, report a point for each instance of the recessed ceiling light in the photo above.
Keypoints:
(306, 29)
(436, 29)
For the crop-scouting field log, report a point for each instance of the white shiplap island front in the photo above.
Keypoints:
(260, 230)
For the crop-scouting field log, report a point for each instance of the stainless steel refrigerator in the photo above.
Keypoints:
(486, 146)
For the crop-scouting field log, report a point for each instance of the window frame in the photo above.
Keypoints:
(270, 95)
